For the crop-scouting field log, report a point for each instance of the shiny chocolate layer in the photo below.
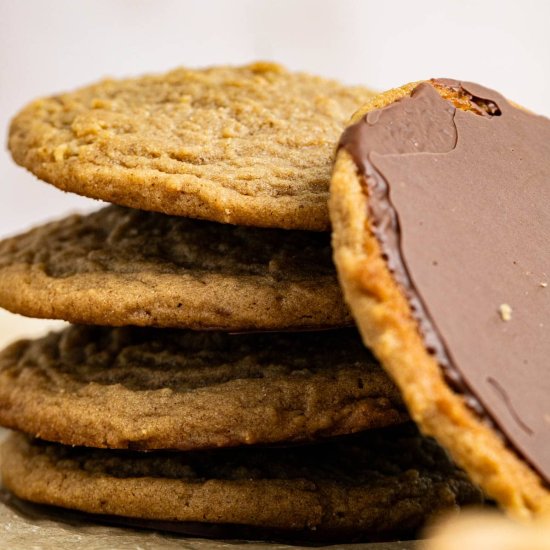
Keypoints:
(459, 200)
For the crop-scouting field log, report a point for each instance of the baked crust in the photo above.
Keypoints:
(487, 531)
(249, 145)
(167, 389)
(384, 483)
(120, 266)
(384, 317)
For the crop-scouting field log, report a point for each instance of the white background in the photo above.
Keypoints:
(48, 46)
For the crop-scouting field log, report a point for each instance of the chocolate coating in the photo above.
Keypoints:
(460, 203)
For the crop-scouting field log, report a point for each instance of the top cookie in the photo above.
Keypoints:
(438, 202)
(248, 145)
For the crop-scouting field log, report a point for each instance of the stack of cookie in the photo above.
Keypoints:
(207, 317)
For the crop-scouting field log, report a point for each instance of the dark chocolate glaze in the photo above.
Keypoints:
(460, 204)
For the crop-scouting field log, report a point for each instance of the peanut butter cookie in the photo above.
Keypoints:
(248, 145)
(488, 532)
(167, 389)
(120, 266)
(383, 484)
(439, 205)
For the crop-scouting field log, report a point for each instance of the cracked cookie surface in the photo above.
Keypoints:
(120, 266)
(380, 483)
(248, 145)
(150, 389)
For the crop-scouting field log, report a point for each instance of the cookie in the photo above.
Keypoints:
(438, 202)
(167, 389)
(120, 266)
(248, 145)
(488, 532)
(384, 483)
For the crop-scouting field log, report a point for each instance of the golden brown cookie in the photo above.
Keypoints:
(167, 389)
(438, 203)
(486, 531)
(384, 484)
(120, 266)
(248, 145)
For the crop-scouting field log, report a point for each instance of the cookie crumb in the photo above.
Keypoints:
(505, 312)
(59, 152)
(543, 285)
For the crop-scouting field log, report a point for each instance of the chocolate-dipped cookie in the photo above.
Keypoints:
(439, 203)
